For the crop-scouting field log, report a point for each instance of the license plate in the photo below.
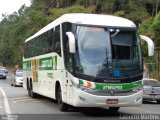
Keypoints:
(112, 101)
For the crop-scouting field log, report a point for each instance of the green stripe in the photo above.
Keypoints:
(81, 82)
(122, 86)
(46, 63)
(34, 64)
(27, 65)
(55, 62)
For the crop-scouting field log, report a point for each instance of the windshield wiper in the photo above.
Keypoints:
(105, 63)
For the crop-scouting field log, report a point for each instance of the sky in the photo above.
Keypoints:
(10, 6)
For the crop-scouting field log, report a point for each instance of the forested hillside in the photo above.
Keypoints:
(15, 28)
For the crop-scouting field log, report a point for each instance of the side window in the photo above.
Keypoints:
(45, 43)
(32, 48)
(26, 50)
(57, 44)
(50, 40)
(67, 55)
(38, 41)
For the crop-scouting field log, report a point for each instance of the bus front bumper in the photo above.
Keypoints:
(84, 99)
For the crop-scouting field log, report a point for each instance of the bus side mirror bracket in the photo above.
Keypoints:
(71, 39)
(150, 44)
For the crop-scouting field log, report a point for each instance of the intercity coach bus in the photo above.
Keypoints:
(86, 60)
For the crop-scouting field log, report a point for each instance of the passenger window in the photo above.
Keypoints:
(57, 44)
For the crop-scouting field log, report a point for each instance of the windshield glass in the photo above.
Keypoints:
(93, 49)
(124, 44)
(107, 52)
(19, 74)
(2, 71)
(126, 55)
(151, 83)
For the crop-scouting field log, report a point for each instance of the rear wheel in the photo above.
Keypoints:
(32, 94)
(114, 109)
(28, 88)
(61, 105)
(30, 91)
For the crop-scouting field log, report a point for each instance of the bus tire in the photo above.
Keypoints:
(32, 94)
(27, 84)
(30, 90)
(61, 105)
(114, 109)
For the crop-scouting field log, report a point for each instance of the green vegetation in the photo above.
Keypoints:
(17, 27)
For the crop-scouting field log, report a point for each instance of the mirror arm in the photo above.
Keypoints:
(150, 44)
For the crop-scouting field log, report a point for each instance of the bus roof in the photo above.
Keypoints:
(87, 19)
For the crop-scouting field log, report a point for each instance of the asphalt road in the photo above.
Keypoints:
(16, 105)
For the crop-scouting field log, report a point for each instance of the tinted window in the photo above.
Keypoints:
(67, 27)
(151, 83)
(19, 74)
(57, 44)
(45, 43)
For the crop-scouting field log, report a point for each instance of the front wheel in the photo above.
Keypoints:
(158, 101)
(114, 109)
(30, 91)
(61, 105)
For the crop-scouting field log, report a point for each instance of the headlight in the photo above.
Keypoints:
(145, 92)
(136, 89)
(75, 84)
(82, 87)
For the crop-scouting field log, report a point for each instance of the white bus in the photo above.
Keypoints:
(86, 60)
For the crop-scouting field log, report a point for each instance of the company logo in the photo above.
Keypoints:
(113, 93)
(46, 63)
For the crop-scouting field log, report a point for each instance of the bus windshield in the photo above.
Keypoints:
(100, 50)
(94, 49)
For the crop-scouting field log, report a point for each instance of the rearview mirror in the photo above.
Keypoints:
(71, 39)
(150, 44)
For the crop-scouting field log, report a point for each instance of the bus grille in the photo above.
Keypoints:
(111, 93)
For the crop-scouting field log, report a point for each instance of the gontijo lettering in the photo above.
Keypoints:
(47, 63)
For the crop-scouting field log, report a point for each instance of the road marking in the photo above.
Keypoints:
(6, 104)
(19, 98)
(25, 100)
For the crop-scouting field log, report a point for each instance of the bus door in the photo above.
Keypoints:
(69, 89)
